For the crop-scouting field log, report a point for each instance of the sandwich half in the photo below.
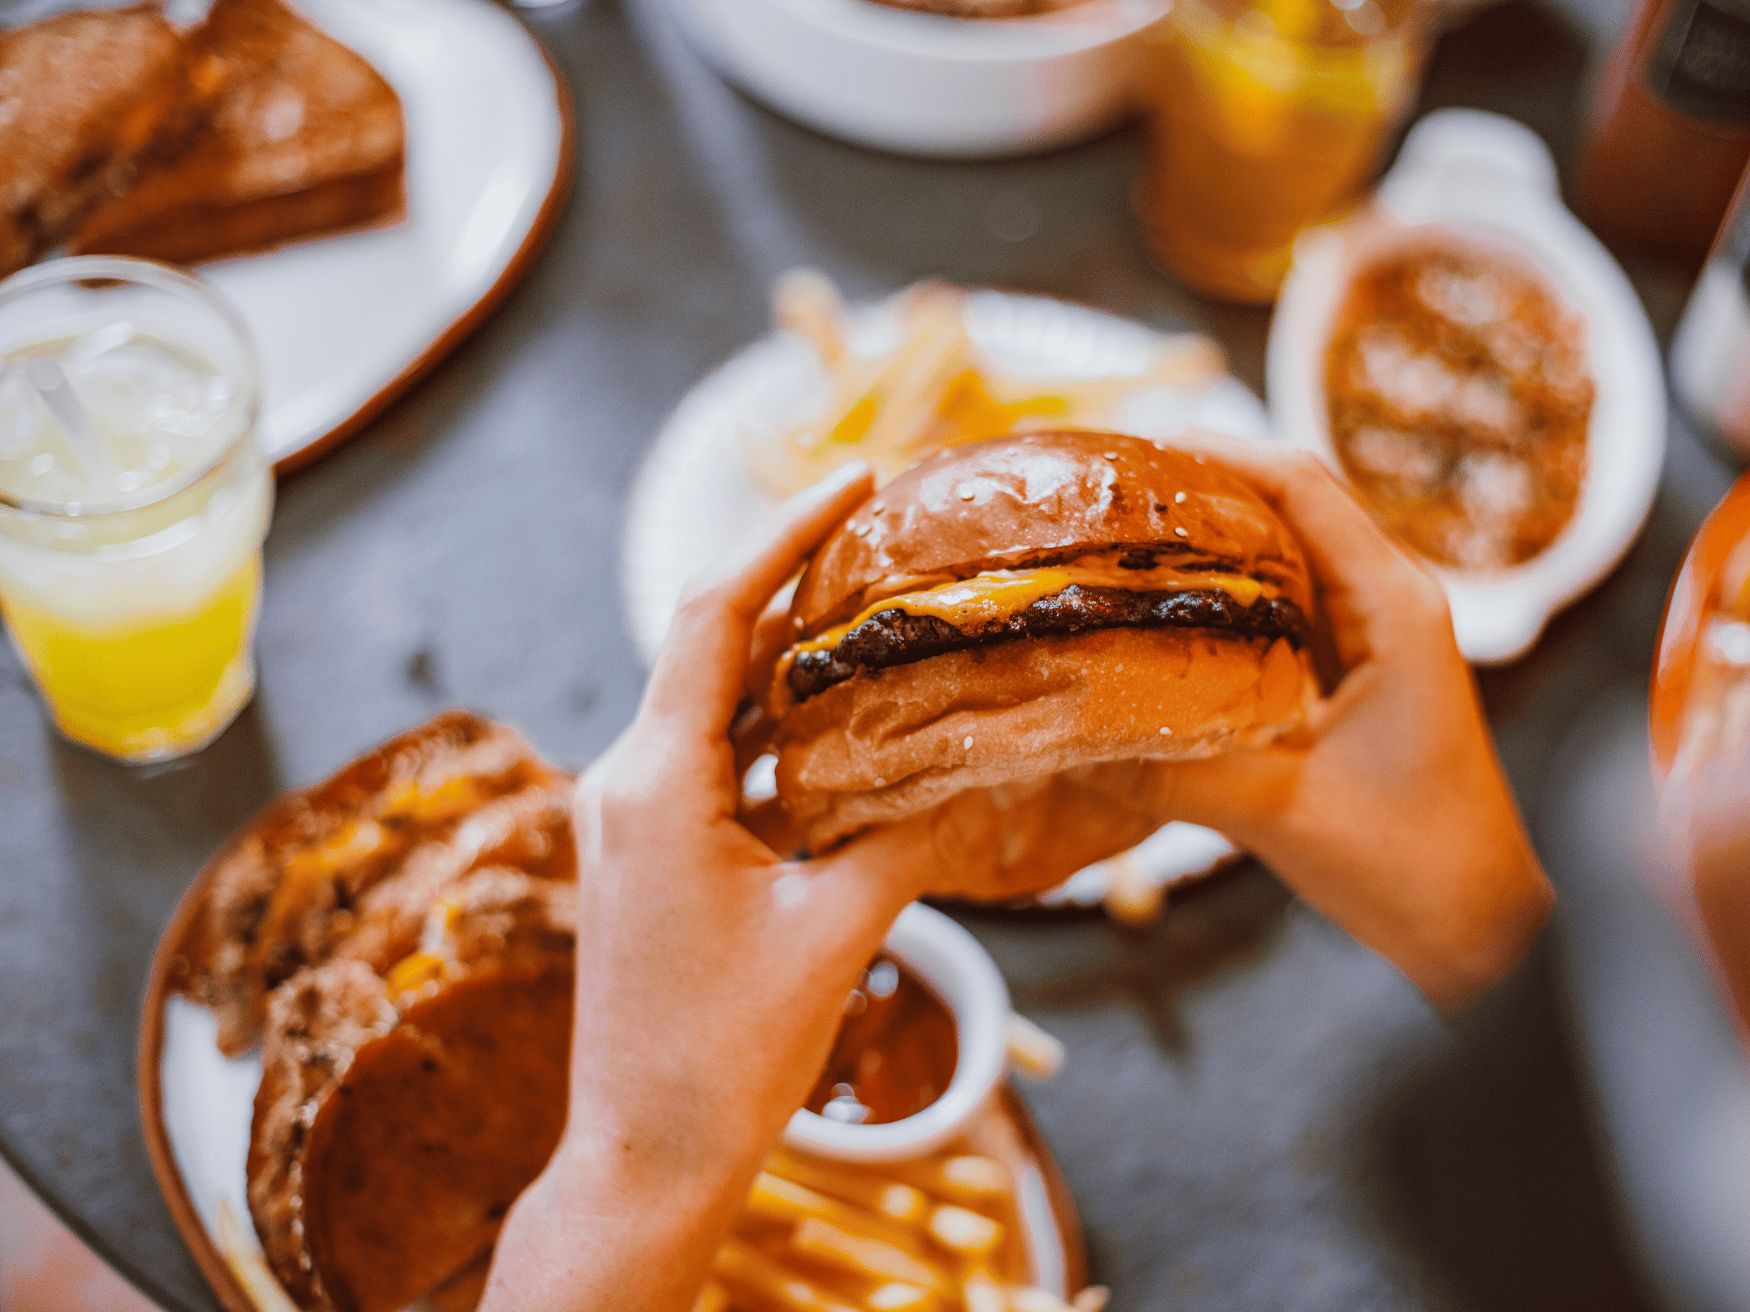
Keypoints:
(87, 99)
(305, 139)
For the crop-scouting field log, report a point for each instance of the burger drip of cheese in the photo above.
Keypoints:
(1459, 397)
(1028, 604)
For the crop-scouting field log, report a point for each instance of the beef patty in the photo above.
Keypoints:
(893, 637)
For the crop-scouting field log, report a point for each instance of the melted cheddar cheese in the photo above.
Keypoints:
(996, 594)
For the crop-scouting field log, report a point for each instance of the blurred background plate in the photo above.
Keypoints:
(345, 324)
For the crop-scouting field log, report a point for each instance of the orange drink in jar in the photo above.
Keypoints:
(1264, 118)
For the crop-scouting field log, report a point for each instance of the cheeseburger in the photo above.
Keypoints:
(1028, 604)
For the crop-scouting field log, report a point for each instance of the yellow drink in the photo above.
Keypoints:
(132, 514)
(1266, 117)
(150, 685)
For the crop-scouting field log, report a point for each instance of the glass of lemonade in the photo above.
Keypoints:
(133, 501)
(1266, 116)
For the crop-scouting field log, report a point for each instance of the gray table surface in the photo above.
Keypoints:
(1255, 1113)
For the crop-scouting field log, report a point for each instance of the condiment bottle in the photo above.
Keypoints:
(1710, 353)
(1670, 125)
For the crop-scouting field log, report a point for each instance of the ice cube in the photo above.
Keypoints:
(19, 419)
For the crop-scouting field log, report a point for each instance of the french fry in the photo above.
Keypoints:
(898, 1202)
(774, 1198)
(834, 1246)
(1036, 1052)
(968, 1233)
(962, 1178)
(897, 1296)
(749, 1272)
(1026, 1298)
(805, 302)
(713, 1297)
(1091, 1299)
(1132, 898)
(980, 1291)
(243, 1254)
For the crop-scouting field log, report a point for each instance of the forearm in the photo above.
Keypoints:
(1453, 905)
(585, 1238)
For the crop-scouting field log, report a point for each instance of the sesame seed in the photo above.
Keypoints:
(967, 493)
(1111, 455)
(882, 783)
(1178, 498)
(877, 508)
(1166, 732)
(968, 743)
(1181, 532)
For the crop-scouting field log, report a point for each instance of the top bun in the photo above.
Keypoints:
(1036, 499)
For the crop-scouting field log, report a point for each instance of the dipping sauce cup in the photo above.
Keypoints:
(1265, 116)
(949, 1064)
(133, 501)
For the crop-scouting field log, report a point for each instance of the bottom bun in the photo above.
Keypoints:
(888, 744)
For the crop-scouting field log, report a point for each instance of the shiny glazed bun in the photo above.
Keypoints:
(1026, 605)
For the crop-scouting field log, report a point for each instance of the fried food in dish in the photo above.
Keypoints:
(400, 1115)
(1027, 606)
(306, 139)
(1459, 393)
(87, 99)
(349, 868)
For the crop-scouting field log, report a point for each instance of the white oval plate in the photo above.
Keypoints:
(1491, 179)
(928, 84)
(694, 502)
(345, 323)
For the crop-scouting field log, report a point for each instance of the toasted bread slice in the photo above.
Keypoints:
(350, 866)
(399, 1117)
(86, 99)
(306, 139)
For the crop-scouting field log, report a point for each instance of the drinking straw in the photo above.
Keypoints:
(52, 385)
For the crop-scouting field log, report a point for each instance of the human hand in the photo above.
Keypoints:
(1391, 814)
(711, 974)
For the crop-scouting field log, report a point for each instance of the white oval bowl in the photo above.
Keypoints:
(957, 967)
(925, 84)
(1491, 180)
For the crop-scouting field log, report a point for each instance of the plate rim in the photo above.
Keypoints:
(149, 1079)
(518, 267)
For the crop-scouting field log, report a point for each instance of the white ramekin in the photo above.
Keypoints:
(928, 85)
(957, 967)
(1491, 180)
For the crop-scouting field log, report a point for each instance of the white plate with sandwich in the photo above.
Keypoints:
(260, 134)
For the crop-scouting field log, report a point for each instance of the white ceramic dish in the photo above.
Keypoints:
(925, 84)
(1491, 179)
(694, 501)
(344, 324)
(957, 967)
